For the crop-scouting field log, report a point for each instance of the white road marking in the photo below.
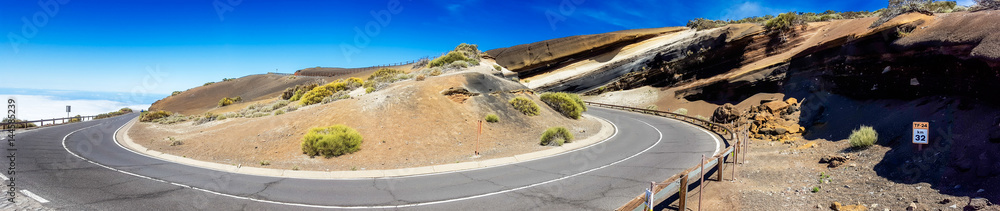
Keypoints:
(658, 140)
(35, 197)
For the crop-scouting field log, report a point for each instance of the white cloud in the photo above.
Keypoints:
(36, 107)
(966, 2)
(748, 9)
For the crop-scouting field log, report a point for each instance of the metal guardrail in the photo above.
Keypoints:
(64, 120)
(678, 183)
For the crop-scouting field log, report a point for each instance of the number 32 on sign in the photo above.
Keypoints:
(920, 133)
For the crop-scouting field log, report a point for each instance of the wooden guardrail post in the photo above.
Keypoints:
(719, 168)
(682, 193)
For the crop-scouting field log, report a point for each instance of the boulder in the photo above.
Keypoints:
(978, 204)
(791, 101)
(725, 114)
(774, 106)
(836, 206)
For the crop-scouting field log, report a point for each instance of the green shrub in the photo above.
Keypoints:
(229, 101)
(295, 93)
(279, 112)
(651, 107)
(463, 52)
(457, 65)
(17, 126)
(227, 79)
(76, 118)
(384, 73)
(208, 83)
(525, 105)
(369, 90)
(556, 136)
(702, 24)
(207, 117)
(987, 5)
(320, 93)
(149, 116)
(784, 22)
(681, 111)
(436, 72)
(175, 93)
(570, 105)
(497, 67)
(265, 163)
(492, 118)
(331, 141)
(174, 118)
(863, 137)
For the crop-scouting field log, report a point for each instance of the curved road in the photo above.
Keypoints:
(97, 174)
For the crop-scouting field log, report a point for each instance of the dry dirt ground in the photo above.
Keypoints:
(778, 176)
(408, 124)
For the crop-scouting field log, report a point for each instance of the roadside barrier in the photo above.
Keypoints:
(64, 120)
(679, 183)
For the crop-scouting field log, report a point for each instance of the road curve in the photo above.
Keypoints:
(80, 167)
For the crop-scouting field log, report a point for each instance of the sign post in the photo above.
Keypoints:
(649, 196)
(920, 134)
(67, 111)
(479, 134)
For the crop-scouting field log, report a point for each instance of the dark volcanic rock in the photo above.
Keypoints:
(725, 114)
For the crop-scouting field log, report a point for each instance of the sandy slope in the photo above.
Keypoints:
(408, 124)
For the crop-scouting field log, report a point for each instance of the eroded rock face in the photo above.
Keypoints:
(725, 114)
(774, 119)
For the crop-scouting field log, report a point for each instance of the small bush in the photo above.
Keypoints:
(153, 115)
(570, 105)
(209, 83)
(681, 111)
(987, 5)
(651, 107)
(525, 105)
(228, 79)
(815, 189)
(436, 72)
(450, 58)
(702, 24)
(175, 93)
(492, 118)
(279, 112)
(229, 101)
(556, 136)
(76, 118)
(384, 73)
(174, 142)
(497, 67)
(863, 137)
(295, 93)
(17, 126)
(265, 163)
(369, 90)
(175, 118)
(457, 65)
(421, 77)
(331, 141)
(784, 22)
(207, 117)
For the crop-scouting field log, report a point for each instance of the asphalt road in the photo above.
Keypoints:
(97, 174)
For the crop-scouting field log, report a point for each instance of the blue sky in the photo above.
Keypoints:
(156, 47)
